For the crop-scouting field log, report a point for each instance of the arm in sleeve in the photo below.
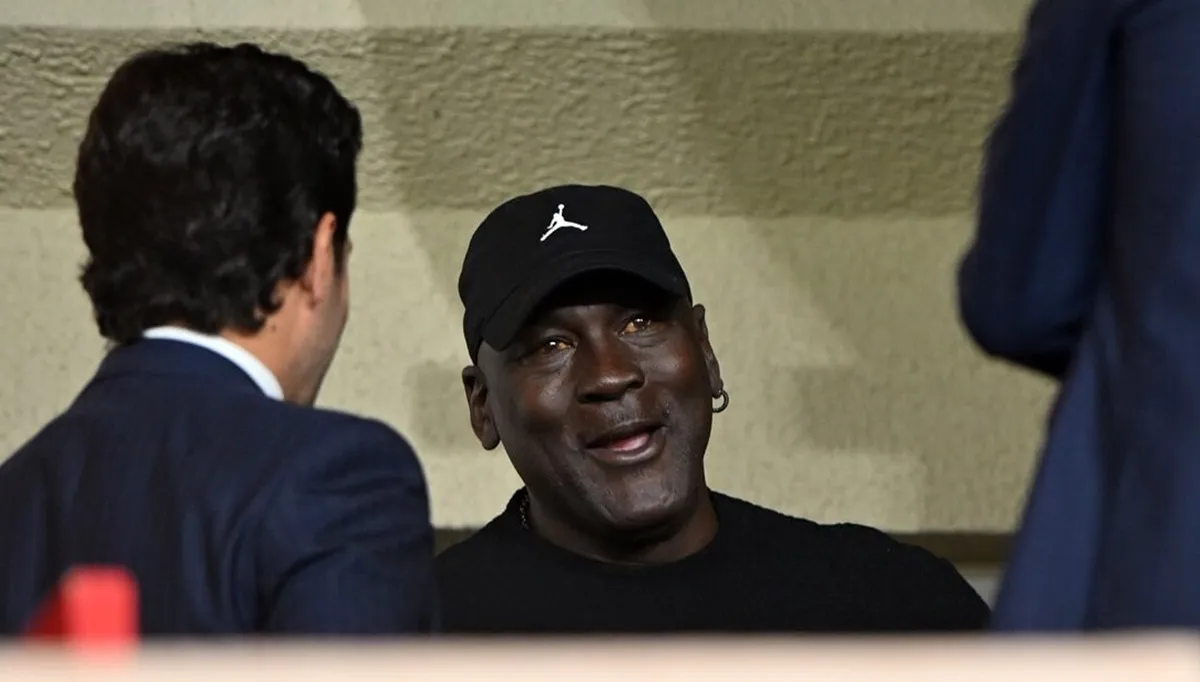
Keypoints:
(1027, 283)
(348, 545)
(1148, 561)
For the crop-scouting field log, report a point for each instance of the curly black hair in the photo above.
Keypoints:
(200, 182)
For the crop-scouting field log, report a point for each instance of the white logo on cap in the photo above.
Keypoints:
(558, 222)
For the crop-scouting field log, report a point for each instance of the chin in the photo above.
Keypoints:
(642, 510)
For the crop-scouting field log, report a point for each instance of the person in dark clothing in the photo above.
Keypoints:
(215, 186)
(593, 367)
(1083, 267)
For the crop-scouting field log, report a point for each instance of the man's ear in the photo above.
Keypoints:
(319, 280)
(711, 366)
(481, 417)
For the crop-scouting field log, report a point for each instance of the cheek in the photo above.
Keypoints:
(685, 396)
(533, 426)
(681, 366)
(533, 411)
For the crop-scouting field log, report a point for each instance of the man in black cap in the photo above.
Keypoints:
(593, 367)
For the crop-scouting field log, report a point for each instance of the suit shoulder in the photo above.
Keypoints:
(335, 424)
(324, 438)
(366, 429)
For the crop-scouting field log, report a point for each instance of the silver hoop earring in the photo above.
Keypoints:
(724, 396)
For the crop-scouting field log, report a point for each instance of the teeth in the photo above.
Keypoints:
(622, 443)
(630, 442)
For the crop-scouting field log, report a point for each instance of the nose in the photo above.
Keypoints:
(608, 371)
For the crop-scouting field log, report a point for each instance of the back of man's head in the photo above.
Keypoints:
(201, 178)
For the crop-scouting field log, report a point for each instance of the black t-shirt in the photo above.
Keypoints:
(763, 572)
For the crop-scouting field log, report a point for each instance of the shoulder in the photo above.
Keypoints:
(924, 589)
(909, 581)
(333, 423)
(851, 545)
(340, 474)
(484, 556)
(761, 521)
(845, 541)
(790, 534)
(486, 578)
(245, 430)
(320, 438)
(330, 464)
(859, 543)
(467, 554)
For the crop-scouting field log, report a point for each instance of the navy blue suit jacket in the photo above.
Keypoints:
(236, 513)
(1086, 267)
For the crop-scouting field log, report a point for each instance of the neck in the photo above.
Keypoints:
(267, 349)
(661, 544)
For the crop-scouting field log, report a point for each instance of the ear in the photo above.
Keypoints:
(710, 358)
(320, 278)
(481, 417)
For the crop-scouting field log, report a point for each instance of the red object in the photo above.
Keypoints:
(92, 605)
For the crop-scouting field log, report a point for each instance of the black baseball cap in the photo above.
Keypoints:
(531, 244)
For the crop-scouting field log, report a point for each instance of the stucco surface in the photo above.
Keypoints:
(817, 179)
(727, 123)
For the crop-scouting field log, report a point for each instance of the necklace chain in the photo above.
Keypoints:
(523, 507)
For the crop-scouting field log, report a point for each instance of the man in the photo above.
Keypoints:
(594, 369)
(215, 187)
(1086, 267)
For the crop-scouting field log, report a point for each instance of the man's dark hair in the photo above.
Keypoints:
(200, 182)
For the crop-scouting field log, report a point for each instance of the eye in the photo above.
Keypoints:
(550, 346)
(637, 323)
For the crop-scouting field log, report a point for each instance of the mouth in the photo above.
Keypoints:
(627, 443)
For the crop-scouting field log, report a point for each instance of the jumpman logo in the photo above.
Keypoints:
(558, 222)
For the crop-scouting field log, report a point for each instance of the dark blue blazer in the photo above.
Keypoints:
(236, 513)
(1086, 267)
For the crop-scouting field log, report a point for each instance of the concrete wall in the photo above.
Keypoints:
(813, 160)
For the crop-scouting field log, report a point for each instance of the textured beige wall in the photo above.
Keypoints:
(816, 177)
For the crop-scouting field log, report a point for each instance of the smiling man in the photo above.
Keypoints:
(593, 367)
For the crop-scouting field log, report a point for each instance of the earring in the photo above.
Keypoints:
(724, 396)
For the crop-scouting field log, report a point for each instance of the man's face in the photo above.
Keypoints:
(604, 403)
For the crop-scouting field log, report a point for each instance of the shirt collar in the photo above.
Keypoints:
(244, 359)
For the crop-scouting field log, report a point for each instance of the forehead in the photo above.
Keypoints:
(598, 289)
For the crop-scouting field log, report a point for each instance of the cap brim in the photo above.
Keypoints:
(504, 325)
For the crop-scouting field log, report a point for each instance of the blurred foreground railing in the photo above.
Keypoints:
(1146, 658)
